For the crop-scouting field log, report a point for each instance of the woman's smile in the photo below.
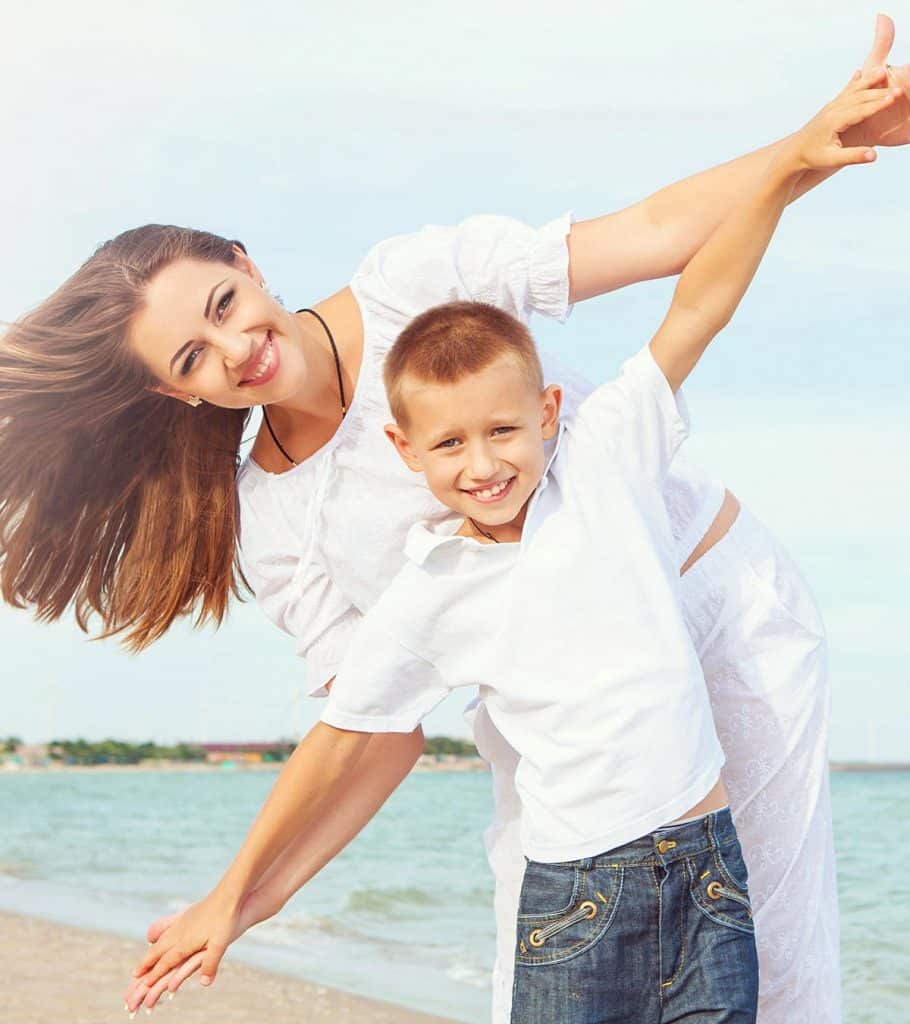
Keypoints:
(263, 364)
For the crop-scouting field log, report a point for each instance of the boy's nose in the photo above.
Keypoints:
(481, 464)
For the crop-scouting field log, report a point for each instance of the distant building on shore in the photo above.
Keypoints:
(246, 753)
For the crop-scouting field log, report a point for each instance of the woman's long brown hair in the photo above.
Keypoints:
(113, 500)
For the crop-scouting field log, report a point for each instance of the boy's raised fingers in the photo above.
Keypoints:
(858, 112)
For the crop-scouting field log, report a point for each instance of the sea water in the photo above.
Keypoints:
(404, 913)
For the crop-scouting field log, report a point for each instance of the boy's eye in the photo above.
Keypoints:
(190, 361)
(223, 304)
(503, 430)
(449, 442)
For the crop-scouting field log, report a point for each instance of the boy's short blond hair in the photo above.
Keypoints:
(446, 343)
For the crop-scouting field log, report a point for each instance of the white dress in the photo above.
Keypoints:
(320, 542)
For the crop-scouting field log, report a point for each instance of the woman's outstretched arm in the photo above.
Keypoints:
(658, 236)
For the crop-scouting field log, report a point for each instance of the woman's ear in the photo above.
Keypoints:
(180, 396)
(243, 263)
(551, 403)
(400, 441)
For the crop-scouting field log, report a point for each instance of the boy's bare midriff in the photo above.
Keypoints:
(716, 532)
(714, 801)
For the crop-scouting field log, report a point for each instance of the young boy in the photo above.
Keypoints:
(556, 591)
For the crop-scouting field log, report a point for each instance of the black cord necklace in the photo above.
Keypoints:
(483, 533)
(344, 404)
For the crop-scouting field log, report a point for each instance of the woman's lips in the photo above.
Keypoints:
(266, 364)
(491, 498)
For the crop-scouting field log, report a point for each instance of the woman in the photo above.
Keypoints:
(102, 384)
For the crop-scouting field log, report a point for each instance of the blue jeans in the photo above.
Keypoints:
(659, 930)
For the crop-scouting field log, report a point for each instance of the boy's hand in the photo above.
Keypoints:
(820, 146)
(890, 127)
(253, 910)
(206, 928)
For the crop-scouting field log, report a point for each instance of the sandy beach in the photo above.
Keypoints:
(55, 973)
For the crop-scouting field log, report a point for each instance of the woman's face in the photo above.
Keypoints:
(211, 330)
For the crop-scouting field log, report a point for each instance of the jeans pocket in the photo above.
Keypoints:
(718, 887)
(731, 867)
(564, 911)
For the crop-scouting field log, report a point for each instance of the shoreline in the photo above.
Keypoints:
(427, 763)
(76, 974)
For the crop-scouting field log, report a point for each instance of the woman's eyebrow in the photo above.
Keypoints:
(208, 309)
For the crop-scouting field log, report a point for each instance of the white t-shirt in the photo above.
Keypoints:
(321, 541)
(575, 635)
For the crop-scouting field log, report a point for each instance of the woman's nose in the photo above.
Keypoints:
(235, 349)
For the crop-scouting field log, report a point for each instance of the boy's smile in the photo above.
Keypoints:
(479, 441)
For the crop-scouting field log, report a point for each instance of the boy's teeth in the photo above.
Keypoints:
(490, 492)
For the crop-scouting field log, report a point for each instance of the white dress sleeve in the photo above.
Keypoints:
(296, 593)
(636, 418)
(486, 258)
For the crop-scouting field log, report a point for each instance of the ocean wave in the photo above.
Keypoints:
(18, 870)
(395, 903)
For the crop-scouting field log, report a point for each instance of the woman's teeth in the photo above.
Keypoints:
(265, 364)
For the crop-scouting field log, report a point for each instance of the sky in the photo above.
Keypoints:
(313, 131)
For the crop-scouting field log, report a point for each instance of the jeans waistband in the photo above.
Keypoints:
(671, 843)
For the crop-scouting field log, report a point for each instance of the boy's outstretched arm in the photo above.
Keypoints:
(322, 762)
(658, 236)
(716, 278)
(385, 762)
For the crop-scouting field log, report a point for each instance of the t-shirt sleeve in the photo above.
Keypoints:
(486, 258)
(382, 686)
(636, 418)
(295, 591)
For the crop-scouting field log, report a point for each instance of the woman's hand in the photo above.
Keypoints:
(255, 908)
(821, 145)
(890, 127)
(207, 928)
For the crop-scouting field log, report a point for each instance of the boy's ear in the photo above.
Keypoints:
(398, 438)
(551, 403)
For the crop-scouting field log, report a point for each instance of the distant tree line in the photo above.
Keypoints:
(448, 745)
(118, 752)
(111, 751)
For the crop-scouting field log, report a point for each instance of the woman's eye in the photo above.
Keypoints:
(223, 303)
(190, 361)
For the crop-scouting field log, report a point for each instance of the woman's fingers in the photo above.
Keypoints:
(189, 968)
(171, 959)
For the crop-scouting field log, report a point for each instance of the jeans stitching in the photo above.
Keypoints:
(583, 946)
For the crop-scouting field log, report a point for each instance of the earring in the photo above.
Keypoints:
(193, 400)
(262, 284)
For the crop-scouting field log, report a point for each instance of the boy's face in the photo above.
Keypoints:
(479, 441)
